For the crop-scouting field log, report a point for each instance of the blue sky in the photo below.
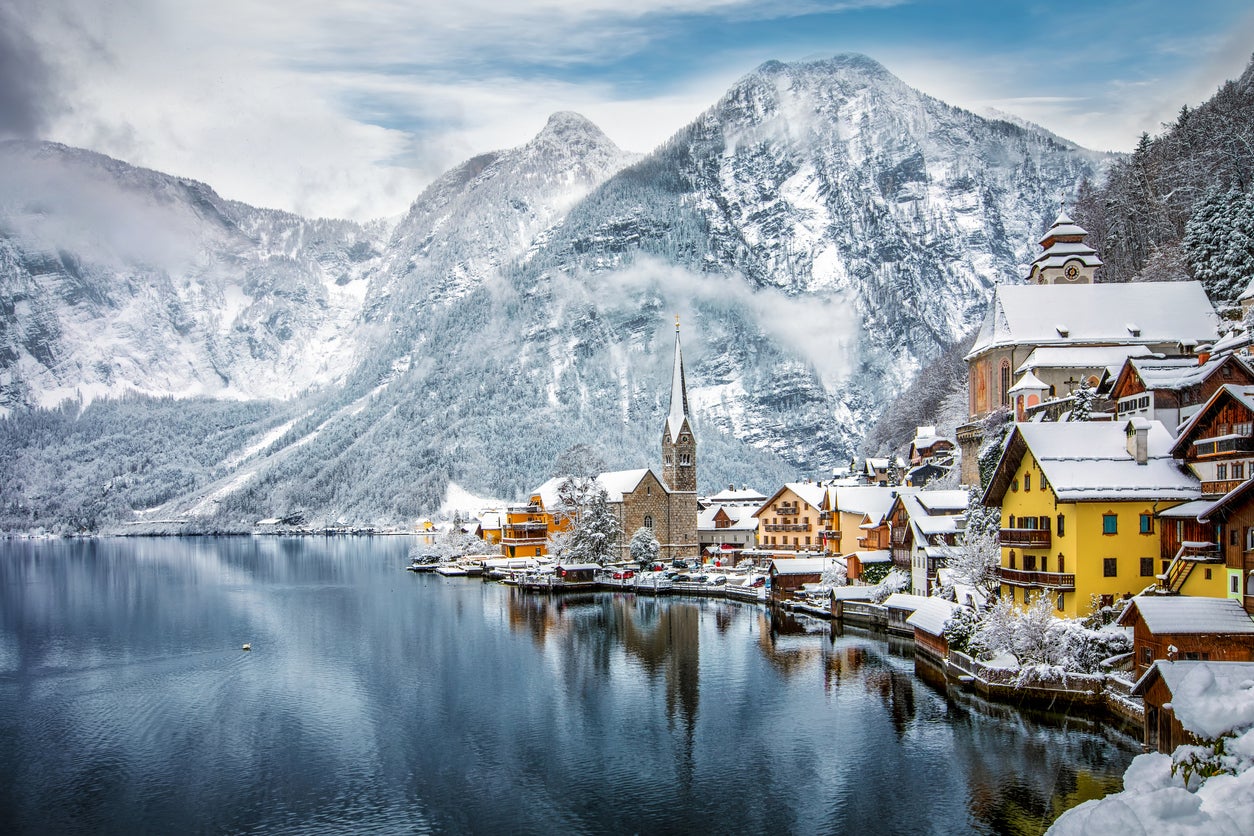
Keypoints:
(350, 108)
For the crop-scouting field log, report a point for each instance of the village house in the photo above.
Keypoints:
(1173, 389)
(789, 522)
(924, 526)
(1078, 507)
(1191, 702)
(726, 531)
(1176, 627)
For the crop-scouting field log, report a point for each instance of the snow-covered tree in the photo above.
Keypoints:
(1082, 402)
(595, 537)
(644, 546)
(976, 560)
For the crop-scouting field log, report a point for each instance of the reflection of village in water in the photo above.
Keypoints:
(1021, 765)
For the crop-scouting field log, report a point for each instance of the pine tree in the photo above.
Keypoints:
(644, 546)
(596, 535)
(1082, 403)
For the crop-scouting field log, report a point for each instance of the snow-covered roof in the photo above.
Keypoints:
(904, 601)
(1164, 312)
(1175, 373)
(951, 500)
(802, 565)
(1242, 394)
(931, 615)
(1028, 383)
(810, 492)
(1166, 614)
(871, 500)
(615, 482)
(1187, 510)
(1208, 698)
(873, 556)
(741, 516)
(1089, 460)
(742, 496)
(1081, 356)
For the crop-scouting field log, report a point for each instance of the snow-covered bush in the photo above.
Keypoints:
(960, 628)
(1036, 638)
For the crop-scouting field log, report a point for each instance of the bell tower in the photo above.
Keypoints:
(679, 444)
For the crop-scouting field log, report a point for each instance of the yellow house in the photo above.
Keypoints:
(1078, 507)
(792, 520)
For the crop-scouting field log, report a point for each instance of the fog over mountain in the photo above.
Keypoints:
(822, 231)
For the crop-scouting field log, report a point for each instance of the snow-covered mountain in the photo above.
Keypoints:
(822, 231)
(115, 278)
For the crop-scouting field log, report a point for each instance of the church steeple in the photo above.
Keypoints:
(679, 445)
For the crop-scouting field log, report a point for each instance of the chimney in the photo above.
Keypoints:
(1137, 432)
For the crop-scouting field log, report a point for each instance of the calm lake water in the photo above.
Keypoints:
(379, 701)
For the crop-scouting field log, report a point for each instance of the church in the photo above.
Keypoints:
(639, 498)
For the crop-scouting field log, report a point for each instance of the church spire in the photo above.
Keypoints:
(679, 445)
(679, 391)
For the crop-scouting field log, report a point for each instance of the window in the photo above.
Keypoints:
(1110, 567)
(1062, 527)
(648, 522)
(1147, 523)
(1110, 523)
(1147, 567)
(1027, 482)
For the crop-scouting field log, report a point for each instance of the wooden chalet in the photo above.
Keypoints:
(1173, 389)
(1175, 627)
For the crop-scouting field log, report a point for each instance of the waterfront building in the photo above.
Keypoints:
(1177, 627)
(1079, 503)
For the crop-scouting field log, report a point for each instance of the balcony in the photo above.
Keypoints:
(1025, 538)
(1237, 442)
(1219, 487)
(1050, 580)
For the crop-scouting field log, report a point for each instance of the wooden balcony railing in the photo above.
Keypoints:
(1025, 538)
(1050, 580)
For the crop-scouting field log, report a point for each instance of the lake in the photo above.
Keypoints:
(375, 700)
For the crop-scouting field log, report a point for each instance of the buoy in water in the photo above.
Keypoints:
(247, 646)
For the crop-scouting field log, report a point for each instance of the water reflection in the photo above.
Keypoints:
(379, 700)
